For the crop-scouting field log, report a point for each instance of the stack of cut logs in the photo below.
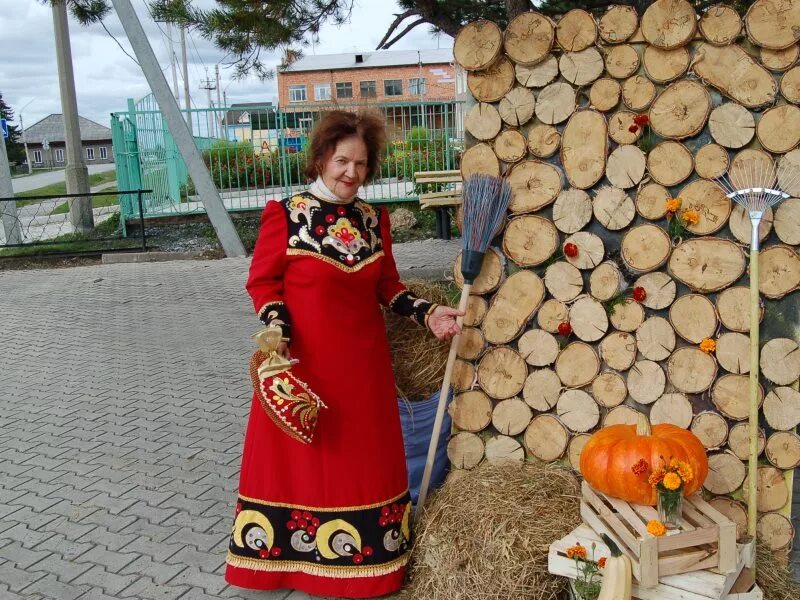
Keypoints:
(591, 309)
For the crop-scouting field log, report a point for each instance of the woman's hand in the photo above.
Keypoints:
(442, 322)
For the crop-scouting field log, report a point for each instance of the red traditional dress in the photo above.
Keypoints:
(331, 518)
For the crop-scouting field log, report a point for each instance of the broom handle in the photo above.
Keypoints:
(752, 500)
(444, 393)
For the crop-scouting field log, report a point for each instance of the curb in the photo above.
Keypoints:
(147, 257)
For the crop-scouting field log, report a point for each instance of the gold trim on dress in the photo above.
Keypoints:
(327, 508)
(395, 297)
(372, 258)
(338, 572)
(264, 308)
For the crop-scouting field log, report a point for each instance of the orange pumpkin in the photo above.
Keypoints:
(608, 458)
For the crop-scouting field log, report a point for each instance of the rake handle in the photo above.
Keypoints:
(752, 500)
(444, 393)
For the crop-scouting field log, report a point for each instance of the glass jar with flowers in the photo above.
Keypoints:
(669, 481)
(588, 582)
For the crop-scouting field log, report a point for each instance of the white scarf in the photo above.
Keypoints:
(320, 190)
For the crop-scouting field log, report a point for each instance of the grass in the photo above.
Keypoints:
(54, 189)
(97, 202)
(78, 242)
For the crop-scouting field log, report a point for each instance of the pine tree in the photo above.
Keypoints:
(14, 147)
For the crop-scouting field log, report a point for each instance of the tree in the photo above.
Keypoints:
(15, 150)
(244, 28)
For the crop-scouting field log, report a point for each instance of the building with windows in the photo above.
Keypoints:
(46, 146)
(413, 87)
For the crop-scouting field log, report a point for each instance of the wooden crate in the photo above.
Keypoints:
(706, 539)
(697, 585)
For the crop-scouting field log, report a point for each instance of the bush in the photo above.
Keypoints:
(235, 165)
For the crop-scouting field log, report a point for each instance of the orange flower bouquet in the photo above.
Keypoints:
(669, 481)
(587, 583)
(678, 220)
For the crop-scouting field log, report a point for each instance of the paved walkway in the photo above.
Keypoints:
(43, 178)
(123, 399)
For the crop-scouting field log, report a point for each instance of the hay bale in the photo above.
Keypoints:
(418, 358)
(402, 219)
(774, 575)
(489, 548)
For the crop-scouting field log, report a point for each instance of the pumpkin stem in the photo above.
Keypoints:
(643, 425)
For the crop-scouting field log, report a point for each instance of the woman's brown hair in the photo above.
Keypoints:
(337, 125)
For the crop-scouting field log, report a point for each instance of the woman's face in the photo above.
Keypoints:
(346, 168)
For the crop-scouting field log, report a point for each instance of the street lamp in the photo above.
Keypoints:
(25, 138)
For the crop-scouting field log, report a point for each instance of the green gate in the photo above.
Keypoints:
(257, 153)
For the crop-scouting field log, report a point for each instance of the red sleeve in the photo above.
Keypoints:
(391, 291)
(265, 282)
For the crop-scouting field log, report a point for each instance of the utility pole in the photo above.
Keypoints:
(186, 97)
(172, 63)
(77, 175)
(8, 208)
(25, 144)
(208, 85)
(219, 114)
(209, 196)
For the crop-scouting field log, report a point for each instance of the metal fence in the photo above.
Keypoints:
(257, 153)
(41, 225)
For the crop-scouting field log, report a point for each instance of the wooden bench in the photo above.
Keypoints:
(440, 201)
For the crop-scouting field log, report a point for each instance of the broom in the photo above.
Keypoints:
(484, 204)
(755, 185)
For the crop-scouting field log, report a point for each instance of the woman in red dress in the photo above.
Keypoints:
(330, 517)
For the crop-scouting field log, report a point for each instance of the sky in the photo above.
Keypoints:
(105, 77)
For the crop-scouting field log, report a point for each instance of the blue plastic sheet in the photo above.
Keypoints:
(417, 420)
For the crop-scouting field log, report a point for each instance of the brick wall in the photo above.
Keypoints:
(439, 83)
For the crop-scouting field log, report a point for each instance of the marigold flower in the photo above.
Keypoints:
(656, 528)
(639, 294)
(640, 467)
(708, 345)
(641, 120)
(673, 205)
(602, 562)
(570, 250)
(692, 217)
(633, 129)
(672, 481)
(686, 472)
(656, 477)
(576, 551)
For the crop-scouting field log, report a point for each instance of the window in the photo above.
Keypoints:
(322, 91)
(37, 156)
(297, 93)
(103, 153)
(306, 123)
(59, 155)
(90, 154)
(393, 87)
(368, 89)
(416, 87)
(344, 90)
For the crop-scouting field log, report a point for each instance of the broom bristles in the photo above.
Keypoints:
(484, 205)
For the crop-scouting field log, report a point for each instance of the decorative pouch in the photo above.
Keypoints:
(287, 400)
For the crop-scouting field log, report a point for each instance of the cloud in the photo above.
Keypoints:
(105, 77)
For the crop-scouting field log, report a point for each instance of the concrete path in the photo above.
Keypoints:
(123, 400)
(43, 178)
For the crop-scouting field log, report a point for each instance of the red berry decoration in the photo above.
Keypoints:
(315, 522)
(367, 551)
(291, 525)
(238, 507)
(302, 523)
(276, 552)
(570, 250)
(340, 211)
(263, 553)
(311, 530)
(330, 219)
(296, 514)
(564, 328)
(307, 515)
(383, 521)
(358, 559)
(639, 294)
(385, 511)
(320, 230)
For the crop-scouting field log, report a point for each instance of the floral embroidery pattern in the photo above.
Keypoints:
(345, 234)
(266, 536)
